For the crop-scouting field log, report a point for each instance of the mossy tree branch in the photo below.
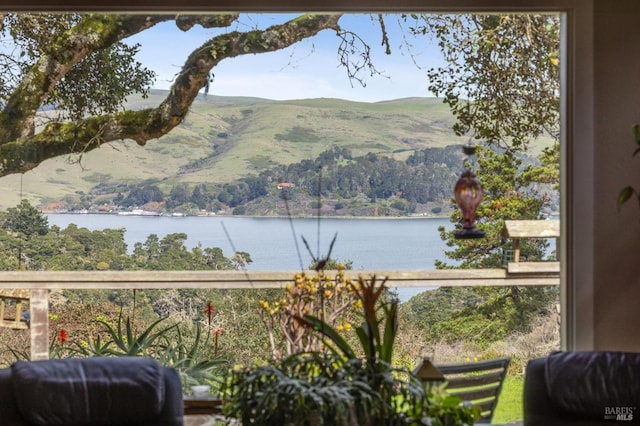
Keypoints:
(21, 149)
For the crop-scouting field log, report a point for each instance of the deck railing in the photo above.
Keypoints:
(39, 283)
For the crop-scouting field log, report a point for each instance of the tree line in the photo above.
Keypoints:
(426, 175)
(27, 242)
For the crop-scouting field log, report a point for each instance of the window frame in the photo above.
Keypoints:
(576, 249)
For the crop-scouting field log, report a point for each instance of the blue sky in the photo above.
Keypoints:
(309, 69)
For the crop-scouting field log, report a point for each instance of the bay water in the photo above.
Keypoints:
(275, 244)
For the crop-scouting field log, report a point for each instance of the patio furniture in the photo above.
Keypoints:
(90, 391)
(478, 383)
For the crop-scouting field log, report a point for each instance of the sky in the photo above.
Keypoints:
(310, 69)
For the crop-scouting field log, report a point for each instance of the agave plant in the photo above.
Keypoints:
(127, 343)
(167, 344)
(177, 352)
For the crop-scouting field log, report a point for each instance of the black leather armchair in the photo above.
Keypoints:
(583, 388)
(90, 391)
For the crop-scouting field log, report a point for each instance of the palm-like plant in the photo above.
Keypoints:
(178, 353)
(167, 344)
(127, 343)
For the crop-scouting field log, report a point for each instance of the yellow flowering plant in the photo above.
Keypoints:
(330, 298)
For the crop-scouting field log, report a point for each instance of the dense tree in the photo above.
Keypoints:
(201, 196)
(501, 82)
(24, 219)
(501, 74)
(27, 242)
(179, 194)
(143, 195)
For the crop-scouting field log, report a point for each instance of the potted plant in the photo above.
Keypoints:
(343, 385)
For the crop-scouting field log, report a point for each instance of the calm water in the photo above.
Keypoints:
(372, 244)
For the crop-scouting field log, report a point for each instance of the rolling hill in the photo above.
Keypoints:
(224, 138)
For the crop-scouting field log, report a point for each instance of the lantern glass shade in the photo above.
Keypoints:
(468, 195)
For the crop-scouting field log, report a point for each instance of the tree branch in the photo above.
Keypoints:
(22, 150)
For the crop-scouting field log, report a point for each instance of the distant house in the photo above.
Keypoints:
(283, 185)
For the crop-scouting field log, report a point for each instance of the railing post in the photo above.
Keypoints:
(39, 308)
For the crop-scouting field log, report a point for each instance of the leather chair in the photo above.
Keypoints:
(90, 391)
(582, 388)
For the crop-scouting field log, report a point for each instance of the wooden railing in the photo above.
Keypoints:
(39, 283)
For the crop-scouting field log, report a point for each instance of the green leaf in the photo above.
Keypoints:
(390, 330)
(624, 196)
(365, 341)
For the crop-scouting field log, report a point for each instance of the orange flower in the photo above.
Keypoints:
(62, 336)
(209, 310)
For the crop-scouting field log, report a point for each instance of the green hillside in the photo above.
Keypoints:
(224, 138)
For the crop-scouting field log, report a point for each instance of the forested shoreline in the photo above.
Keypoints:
(336, 183)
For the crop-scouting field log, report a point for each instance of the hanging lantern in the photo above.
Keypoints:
(468, 195)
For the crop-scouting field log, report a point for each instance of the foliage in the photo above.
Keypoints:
(169, 345)
(27, 242)
(501, 76)
(329, 298)
(25, 219)
(627, 192)
(375, 343)
(486, 314)
(58, 348)
(127, 344)
(501, 81)
(79, 64)
(185, 357)
(425, 176)
(294, 391)
(99, 83)
(480, 316)
(507, 196)
(339, 387)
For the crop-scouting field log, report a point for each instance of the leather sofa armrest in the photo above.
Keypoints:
(173, 409)
(536, 403)
(9, 414)
(538, 408)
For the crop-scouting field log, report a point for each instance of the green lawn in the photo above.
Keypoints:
(509, 407)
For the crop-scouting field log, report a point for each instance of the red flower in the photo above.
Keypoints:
(209, 310)
(218, 331)
(62, 336)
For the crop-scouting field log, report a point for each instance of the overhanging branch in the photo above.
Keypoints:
(25, 152)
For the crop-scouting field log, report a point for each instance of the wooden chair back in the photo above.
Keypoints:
(478, 383)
